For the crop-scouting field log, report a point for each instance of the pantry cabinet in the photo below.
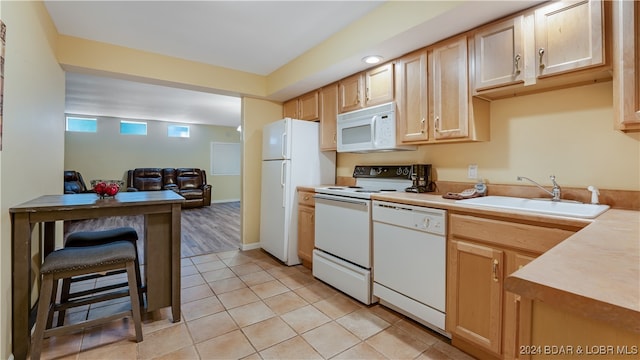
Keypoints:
(373, 87)
(411, 97)
(306, 227)
(304, 107)
(626, 65)
(328, 117)
(482, 316)
(499, 56)
(569, 36)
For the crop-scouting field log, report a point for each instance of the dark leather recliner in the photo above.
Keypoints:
(190, 183)
(74, 183)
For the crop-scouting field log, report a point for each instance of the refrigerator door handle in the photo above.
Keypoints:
(283, 145)
(282, 182)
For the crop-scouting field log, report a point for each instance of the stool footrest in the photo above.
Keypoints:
(91, 300)
(85, 324)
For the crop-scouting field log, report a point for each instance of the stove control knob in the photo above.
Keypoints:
(405, 171)
(399, 171)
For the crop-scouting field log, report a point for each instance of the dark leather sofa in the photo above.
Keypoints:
(190, 183)
(74, 183)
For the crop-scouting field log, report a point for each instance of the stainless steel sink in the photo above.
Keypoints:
(560, 208)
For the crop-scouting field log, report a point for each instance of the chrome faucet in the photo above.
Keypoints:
(555, 192)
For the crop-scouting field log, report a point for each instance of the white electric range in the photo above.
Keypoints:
(343, 230)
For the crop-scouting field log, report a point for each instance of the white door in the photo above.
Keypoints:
(276, 141)
(274, 209)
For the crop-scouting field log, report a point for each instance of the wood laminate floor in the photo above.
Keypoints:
(205, 230)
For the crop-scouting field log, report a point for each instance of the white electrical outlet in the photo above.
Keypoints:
(473, 171)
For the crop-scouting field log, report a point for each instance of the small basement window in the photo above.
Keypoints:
(81, 124)
(178, 131)
(133, 128)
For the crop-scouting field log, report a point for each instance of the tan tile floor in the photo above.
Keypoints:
(246, 305)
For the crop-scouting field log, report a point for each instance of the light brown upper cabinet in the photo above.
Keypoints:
(290, 109)
(350, 91)
(499, 55)
(449, 91)
(558, 44)
(626, 65)
(378, 84)
(373, 87)
(454, 115)
(411, 97)
(308, 108)
(569, 36)
(304, 107)
(328, 117)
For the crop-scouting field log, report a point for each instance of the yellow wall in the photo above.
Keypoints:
(86, 56)
(108, 155)
(566, 132)
(255, 114)
(33, 128)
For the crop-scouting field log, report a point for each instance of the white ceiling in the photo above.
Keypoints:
(253, 36)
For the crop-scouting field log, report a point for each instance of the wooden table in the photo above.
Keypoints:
(161, 210)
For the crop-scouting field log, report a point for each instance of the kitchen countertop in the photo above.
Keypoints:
(594, 273)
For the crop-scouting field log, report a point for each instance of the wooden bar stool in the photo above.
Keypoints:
(92, 238)
(70, 262)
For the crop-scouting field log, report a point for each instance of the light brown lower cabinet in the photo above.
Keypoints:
(482, 317)
(306, 227)
(556, 333)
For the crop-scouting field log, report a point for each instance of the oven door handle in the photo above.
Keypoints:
(341, 199)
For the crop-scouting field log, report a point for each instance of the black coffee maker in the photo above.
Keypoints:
(421, 178)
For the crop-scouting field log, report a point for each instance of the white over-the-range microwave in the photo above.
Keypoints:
(368, 130)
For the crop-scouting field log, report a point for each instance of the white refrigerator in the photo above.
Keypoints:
(290, 158)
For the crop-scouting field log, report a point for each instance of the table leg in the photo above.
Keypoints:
(176, 241)
(21, 283)
(162, 262)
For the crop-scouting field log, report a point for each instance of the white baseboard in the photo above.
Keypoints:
(224, 201)
(252, 246)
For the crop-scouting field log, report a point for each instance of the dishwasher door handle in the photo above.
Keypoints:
(341, 199)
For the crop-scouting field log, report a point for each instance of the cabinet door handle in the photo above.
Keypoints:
(541, 53)
(436, 124)
(367, 94)
(517, 63)
(335, 138)
(495, 270)
(422, 126)
(306, 197)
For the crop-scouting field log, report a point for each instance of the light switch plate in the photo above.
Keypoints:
(473, 171)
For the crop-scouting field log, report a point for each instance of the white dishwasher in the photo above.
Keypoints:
(409, 261)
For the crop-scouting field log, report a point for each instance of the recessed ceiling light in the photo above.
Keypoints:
(372, 59)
